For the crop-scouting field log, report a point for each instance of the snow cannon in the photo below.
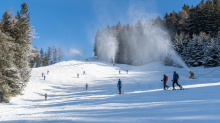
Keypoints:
(191, 75)
(113, 62)
(87, 59)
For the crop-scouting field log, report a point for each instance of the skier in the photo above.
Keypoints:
(113, 62)
(42, 74)
(119, 72)
(84, 72)
(86, 86)
(47, 72)
(165, 79)
(77, 75)
(127, 71)
(191, 75)
(175, 80)
(119, 85)
(44, 77)
(87, 59)
(45, 96)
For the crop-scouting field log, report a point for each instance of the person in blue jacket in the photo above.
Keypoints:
(119, 85)
(175, 80)
(44, 77)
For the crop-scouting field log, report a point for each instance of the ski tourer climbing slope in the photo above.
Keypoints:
(175, 80)
(165, 79)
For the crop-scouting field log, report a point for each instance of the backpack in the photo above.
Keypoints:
(166, 78)
(177, 76)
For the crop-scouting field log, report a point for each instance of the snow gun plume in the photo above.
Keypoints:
(74, 51)
(107, 45)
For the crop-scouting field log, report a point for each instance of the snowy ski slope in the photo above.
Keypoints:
(144, 99)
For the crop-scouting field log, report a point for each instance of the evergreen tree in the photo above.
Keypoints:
(60, 54)
(49, 56)
(5, 22)
(34, 57)
(10, 81)
(12, 23)
(41, 57)
(216, 25)
(45, 59)
(23, 38)
(95, 44)
(54, 53)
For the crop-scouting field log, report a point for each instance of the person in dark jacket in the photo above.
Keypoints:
(175, 80)
(165, 79)
(119, 85)
(45, 96)
(44, 77)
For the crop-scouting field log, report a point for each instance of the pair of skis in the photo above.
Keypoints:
(174, 89)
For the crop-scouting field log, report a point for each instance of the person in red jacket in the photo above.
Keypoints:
(165, 79)
(86, 86)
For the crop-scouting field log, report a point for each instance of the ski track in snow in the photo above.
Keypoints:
(144, 99)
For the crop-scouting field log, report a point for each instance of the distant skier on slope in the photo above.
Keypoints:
(45, 96)
(77, 75)
(127, 71)
(119, 85)
(47, 72)
(42, 74)
(165, 79)
(119, 72)
(191, 75)
(44, 77)
(86, 86)
(175, 80)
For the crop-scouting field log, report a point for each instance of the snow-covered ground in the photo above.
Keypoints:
(144, 99)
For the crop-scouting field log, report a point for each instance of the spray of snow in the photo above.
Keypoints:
(150, 42)
(143, 42)
(107, 45)
(76, 52)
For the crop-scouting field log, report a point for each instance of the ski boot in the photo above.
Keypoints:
(181, 87)
(174, 88)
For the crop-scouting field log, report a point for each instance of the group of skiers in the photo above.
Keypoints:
(44, 79)
(165, 79)
(119, 85)
(44, 75)
(120, 71)
(84, 72)
(175, 81)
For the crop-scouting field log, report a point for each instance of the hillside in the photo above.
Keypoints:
(144, 99)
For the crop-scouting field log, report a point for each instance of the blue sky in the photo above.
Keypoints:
(72, 24)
